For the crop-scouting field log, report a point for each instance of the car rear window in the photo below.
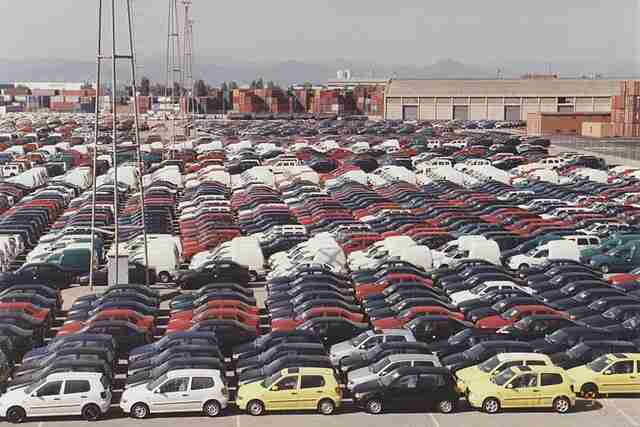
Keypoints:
(551, 379)
(312, 381)
(201, 383)
(76, 386)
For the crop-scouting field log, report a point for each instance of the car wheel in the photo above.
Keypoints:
(253, 276)
(589, 391)
(164, 277)
(605, 269)
(326, 407)
(491, 405)
(212, 408)
(139, 411)
(374, 406)
(561, 405)
(91, 412)
(16, 415)
(446, 406)
(255, 408)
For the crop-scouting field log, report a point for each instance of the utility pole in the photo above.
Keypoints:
(130, 57)
(174, 69)
(188, 66)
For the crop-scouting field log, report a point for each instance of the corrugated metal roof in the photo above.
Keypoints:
(499, 88)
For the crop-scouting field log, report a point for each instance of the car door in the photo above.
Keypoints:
(402, 392)
(551, 385)
(311, 390)
(75, 393)
(620, 377)
(284, 394)
(522, 391)
(200, 391)
(171, 396)
(46, 400)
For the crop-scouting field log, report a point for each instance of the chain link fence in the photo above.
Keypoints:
(622, 148)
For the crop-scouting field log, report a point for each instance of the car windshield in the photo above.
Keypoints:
(34, 386)
(378, 366)
(510, 314)
(153, 384)
(489, 365)
(556, 337)
(503, 377)
(460, 337)
(359, 339)
(599, 364)
(267, 383)
(478, 289)
(577, 351)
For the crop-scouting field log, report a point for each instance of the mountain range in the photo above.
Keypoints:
(215, 70)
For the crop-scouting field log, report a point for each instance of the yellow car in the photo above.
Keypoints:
(611, 373)
(497, 364)
(523, 387)
(292, 389)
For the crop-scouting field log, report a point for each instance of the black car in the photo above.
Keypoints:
(435, 327)
(588, 351)
(175, 339)
(224, 271)
(177, 352)
(536, 326)
(489, 299)
(126, 334)
(612, 316)
(332, 330)
(284, 362)
(482, 351)
(380, 351)
(409, 388)
(51, 274)
(567, 337)
(277, 351)
(153, 372)
(464, 340)
(601, 305)
(585, 297)
(265, 342)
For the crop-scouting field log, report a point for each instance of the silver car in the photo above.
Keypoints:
(366, 341)
(388, 364)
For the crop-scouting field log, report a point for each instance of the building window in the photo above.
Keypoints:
(564, 100)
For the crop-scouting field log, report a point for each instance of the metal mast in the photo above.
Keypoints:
(174, 69)
(188, 64)
(130, 57)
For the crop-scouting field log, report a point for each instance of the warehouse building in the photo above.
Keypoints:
(495, 99)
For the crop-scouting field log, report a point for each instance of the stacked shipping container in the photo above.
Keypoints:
(625, 116)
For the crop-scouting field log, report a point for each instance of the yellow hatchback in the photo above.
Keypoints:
(611, 373)
(497, 364)
(523, 387)
(291, 390)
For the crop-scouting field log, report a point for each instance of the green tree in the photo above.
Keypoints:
(260, 83)
(145, 87)
(307, 85)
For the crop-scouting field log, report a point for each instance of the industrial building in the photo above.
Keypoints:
(496, 99)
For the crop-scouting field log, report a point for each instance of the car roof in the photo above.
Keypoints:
(393, 332)
(519, 356)
(193, 372)
(307, 371)
(623, 356)
(405, 357)
(71, 375)
(551, 369)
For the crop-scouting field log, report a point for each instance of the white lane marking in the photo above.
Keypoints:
(626, 416)
(237, 420)
(435, 421)
(40, 424)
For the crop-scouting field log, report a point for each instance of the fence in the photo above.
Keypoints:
(619, 148)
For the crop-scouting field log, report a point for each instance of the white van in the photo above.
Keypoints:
(556, 249)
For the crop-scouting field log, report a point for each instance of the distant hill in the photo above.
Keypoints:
(215, 70)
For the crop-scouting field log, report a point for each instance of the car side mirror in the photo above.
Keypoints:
(156, 391)
(608, 372)
(510, 386)
(275, 388)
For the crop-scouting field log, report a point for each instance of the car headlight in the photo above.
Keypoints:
(358, 396)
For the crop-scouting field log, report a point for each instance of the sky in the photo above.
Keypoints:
(388, 32)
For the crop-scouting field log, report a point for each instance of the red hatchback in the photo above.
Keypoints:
(514, 314)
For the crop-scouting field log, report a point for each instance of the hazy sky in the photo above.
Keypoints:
(400, 31)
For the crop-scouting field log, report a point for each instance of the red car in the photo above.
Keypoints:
(514, 314)
(616, 279)
(131, 316)
(291, 324)
(215, 313)
(224, 303)
(413, 312)
(365, 289)
(39, 313)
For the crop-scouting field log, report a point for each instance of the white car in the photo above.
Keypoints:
(182, 390)
(60, 394)
(480, 290)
